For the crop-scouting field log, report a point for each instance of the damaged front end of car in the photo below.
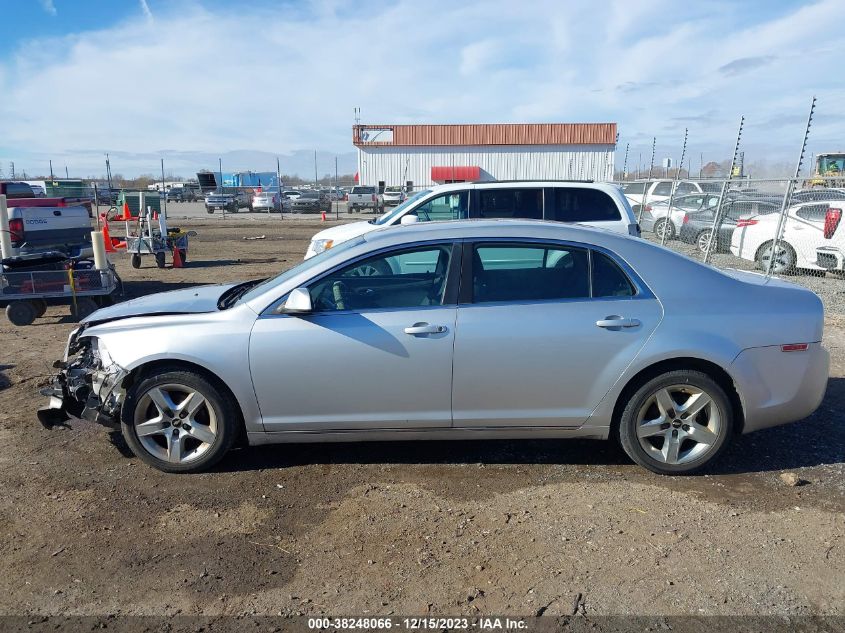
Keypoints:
(89, 384)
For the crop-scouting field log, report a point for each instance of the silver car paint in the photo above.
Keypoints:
(735, 321)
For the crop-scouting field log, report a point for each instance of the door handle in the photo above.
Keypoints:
(424, 328)
(616, 322)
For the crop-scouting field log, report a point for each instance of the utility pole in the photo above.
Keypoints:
(279, 185)
(337, 200)
(315, 170)
(164, 190)
(51, 170)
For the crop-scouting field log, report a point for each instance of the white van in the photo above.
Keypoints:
(594, 204)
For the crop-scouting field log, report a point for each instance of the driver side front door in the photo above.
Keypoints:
(376, 352)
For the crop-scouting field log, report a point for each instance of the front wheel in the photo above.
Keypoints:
(676, 423)
(703, 241)
(178, 421)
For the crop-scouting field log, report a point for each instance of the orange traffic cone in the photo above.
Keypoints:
(177, 258)
(107, 239)
(323, 216)
(126, 214)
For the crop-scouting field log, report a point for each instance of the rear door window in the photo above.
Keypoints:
(571, 204)
(685, 188)
(510, 203)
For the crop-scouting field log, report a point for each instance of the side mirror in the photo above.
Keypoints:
(298, 302)
(409, 218)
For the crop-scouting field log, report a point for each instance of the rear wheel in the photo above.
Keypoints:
(677, 422)
(703, 241)
(783, 262)
(40, 307)
(160, 259)
(178, 421)
(664, 226)
(136, 260)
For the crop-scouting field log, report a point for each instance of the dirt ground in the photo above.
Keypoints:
(509, 527)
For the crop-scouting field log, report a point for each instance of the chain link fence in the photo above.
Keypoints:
(778, 227)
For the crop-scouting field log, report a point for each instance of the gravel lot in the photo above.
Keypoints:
(440, 528)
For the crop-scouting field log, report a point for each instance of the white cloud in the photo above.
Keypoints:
(270, 80)
(48, 6)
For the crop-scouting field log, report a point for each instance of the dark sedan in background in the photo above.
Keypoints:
(697, 226)
(311, 201)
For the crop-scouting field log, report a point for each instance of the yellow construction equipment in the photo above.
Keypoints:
(830, 171)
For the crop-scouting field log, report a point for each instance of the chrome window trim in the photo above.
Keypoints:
(269, 311)
(642, 291)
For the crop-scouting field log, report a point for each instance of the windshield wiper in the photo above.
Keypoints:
(228, 298)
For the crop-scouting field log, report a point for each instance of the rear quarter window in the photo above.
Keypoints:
(580, 205)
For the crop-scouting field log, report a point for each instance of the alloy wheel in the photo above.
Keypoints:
(704, 239)
(175, 423)
(783, 261)
(678, 424)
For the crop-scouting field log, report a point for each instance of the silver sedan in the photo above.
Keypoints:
(455, 330)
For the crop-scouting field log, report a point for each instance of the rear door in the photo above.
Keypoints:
(543, 331)
(804, 231)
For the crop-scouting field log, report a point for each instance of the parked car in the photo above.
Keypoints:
(13, 189)
(658, 191)
(393, 196)
(291, 194)
(243, 199)
(595, 204)
(192, 191)
(806, 228)
(311, 202)
(267, 201)
(697, 226)
(364, 197)
(657, 219)
(817, 194)
(176, 194)
(521, 330)
(222, 201)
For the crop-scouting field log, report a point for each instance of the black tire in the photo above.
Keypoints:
(136, 260)
(789, 255)
(21, 312)
(628, 421)
(670, 228)
(40, 307)
(160, 259)
(209, 210)
(702, 239)
(84, 307)
(228, 420)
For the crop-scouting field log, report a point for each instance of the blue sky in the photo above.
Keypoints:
(190, 80)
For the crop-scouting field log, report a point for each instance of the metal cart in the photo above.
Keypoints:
(26, 293)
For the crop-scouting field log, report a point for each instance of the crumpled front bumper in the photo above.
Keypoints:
(83, 387)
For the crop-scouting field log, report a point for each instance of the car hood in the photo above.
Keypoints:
(185, 301)
(345, 232)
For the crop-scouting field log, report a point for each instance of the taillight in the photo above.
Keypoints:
(686, 218)
(831, 222)
(16, 231)
(743, 223)
(795, 347)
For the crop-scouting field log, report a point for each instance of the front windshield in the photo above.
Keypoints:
(290, 273)
(399, 210)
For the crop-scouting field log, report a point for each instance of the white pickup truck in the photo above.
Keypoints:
(364, 197)
(50, 228)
